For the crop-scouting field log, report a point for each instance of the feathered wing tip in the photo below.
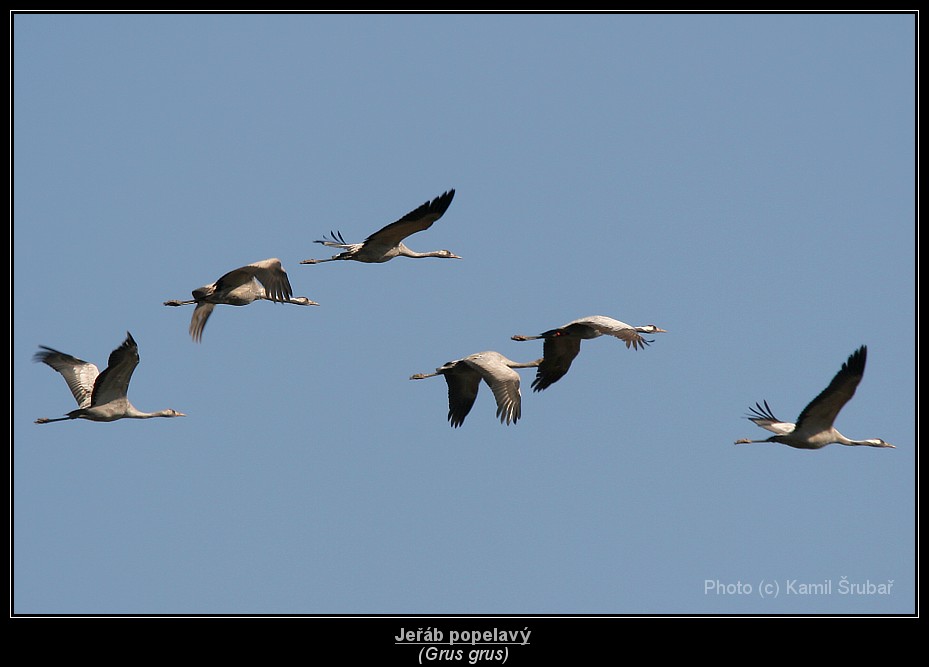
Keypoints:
(45, 353)
(759, 412)
(128, 346)
(455, 420)
(129, 342)
(198, 320)
(509, 413)
(434, 208)
(856, 361)
(541, 383)
(441, 203)
(334, 239)
(636, 343)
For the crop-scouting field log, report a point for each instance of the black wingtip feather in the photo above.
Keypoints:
(759, 412)
(857, 360)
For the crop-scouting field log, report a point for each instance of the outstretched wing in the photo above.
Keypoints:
(463, 383)
(415, 221)
(198, 320)
(113, 382)
(557, 354)
(269, 272)
(610, 327)
(79, 374)
(821, 412)
(503, 382)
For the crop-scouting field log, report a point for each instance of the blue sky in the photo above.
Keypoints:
(744, 181)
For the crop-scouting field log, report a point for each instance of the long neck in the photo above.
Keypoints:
(868, 442)
(297, 300)
(406, 252)
(133, 413)
(524, 364)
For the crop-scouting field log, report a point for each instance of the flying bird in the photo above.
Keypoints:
(261, 280)
(464, 378)
(101, 397)
(387, 242)
(563, 344)
(814, 428)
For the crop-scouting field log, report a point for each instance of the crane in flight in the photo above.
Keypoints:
(260, 280)
(387, 242)
(101, 397)
(464, 376)
(814, 428)
(563, 344)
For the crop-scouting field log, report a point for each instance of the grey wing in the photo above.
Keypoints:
(113, 382)
(271, 274)
(463, 384)
(557, 354)
(633, 339)
(79, 374)
(235, 278)
(820, 413)
(610, 327)
(504, 383)
(198, 320)
(415, 221)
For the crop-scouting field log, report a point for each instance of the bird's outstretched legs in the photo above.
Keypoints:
(422, 376)
(46, 420)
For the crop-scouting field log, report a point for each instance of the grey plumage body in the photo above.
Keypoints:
(563, 344)
(101, 397)
(464, 376)
(814, 427)
(387, 243)
(266, 280)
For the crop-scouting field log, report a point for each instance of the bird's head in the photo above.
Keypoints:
(650, 328)
(877, 442)
(173, 413)
(447, 254)
(303, 301)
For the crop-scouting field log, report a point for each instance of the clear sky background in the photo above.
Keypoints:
(744, 181)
